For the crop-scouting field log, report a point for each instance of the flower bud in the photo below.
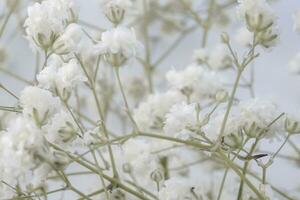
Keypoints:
(222, 96)
(157, 175)
(225, 38)
(233, 141)
(253, 131)
(68, 41)
(127, 168)
(291, 125)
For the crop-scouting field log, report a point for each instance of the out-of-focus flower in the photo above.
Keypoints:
(294, 64)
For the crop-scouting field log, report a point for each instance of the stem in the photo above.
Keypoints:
(5, 22)
(125, 99)
(101, 116)
(8, 91)
(239, 197)
(229, 105)
(108, 178)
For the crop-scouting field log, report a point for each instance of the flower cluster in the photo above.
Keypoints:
(191, 134)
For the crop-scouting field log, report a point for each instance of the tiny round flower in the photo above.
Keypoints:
(115, 10)
(220, 58)
(257, 14)
(118, 45)
(68, 41)
(244, 37)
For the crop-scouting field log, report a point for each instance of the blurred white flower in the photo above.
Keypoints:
(244, 37)
(177, 188)
(196, 82)
(257, 13)
(69, 40)
(150, 114)
(180, 119)
(219, 58)
(296, 18)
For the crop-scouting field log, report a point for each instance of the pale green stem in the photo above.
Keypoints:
(125, 99)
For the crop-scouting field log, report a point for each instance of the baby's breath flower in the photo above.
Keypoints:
(61, 77)
(115, 10)
(47, 20)
(118, 45)
(39, 104)
(244, 37)
(195, 82)
(68, 41)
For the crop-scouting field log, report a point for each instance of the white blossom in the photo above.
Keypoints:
(219, 58)
(244, 37)
(39, 104)
(23, 149)
(47, 20)
(257, 13)
(61, 76)
(180, 120)
(150, 114)
(180, 188)
(195, 82)
(119, 41)
(69, 40)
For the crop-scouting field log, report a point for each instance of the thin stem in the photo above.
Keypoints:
(229, 105)
(8, 91)
(116, 69)
(241, 187)
(101, 116)
(5, 22)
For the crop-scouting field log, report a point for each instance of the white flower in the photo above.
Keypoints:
(61, 76)
(219, 58)
(200, 55)
(47, 20)
(244, 37)
(177, 188)
(119, 41)
(294, 64)
(23, 149)
(150, 114)
(140, 160)
(61, 129)
(69, 75)
(69, 40)
(257, 13)
(262, 113)
(115, 10)
(296, 18)
(179, 119)
(255, 111)
(39, 104)
(195, 82)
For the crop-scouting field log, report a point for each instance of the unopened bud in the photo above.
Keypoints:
(225, 38)
(222, 96)
(253, 131)
(291, 125)
(127, 168)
